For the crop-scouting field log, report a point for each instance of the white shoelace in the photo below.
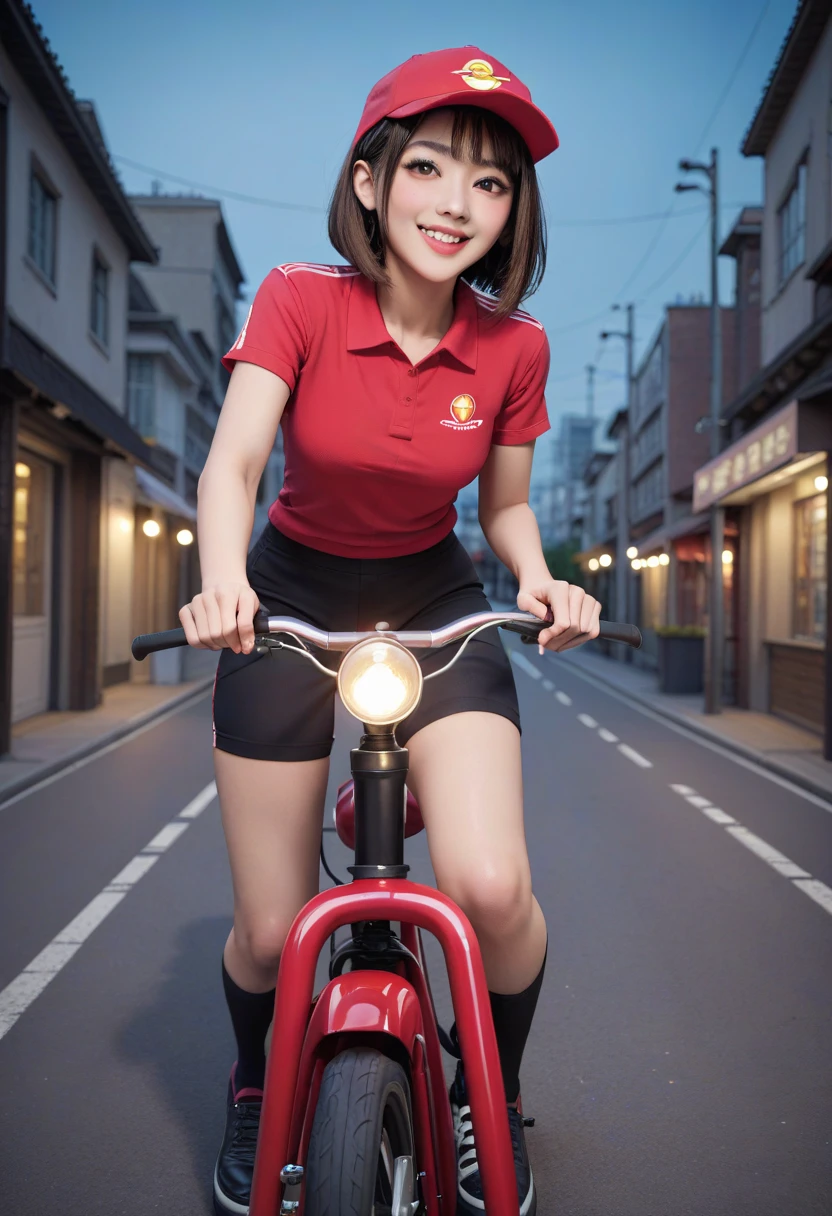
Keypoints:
(466, 1149)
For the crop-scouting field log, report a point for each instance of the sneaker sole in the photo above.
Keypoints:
(223, 1206)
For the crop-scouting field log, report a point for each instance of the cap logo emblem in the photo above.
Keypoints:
(479, 74)
(462, 414)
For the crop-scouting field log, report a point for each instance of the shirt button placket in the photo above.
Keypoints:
(405, 411)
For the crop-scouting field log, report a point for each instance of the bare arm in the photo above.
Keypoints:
(222, 613)
(511, 530)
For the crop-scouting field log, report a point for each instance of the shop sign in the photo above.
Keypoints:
(767, 447)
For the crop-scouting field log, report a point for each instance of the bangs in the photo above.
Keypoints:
(475, 129)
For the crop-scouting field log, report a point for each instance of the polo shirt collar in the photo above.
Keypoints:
(366, 328)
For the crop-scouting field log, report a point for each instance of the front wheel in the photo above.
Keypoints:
(361, 1152)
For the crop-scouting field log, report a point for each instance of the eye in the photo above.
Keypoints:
(493, 185)
(423, 167)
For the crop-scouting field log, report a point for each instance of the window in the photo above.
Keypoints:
(99, 299)
(43, 224)
(140, 394)
(810, 569)
(792, 224)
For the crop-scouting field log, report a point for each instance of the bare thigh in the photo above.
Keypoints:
(272, 816)
(466, 773)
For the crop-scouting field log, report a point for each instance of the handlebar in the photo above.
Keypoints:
(516, 622)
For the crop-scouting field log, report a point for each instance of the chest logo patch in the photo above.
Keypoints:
(462, 417)
(479, 74)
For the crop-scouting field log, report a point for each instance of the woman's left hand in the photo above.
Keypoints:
(576, 614)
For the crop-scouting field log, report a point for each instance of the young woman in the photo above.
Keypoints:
(398, 378)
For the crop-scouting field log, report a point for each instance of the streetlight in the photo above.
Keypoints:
(714, 666)
(622, 581)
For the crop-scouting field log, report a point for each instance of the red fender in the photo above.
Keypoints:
(366, 1002)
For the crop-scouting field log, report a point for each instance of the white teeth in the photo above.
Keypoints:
(442, 236)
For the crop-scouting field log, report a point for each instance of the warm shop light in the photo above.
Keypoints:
(593, 563)
(664, 559)
(605, 560)
(125, 524)
(632, 551)
(652, 562)
(185, 536)
(635, 563)
(151, 528)
(380, 682)
(22, 470)
(727, 557)
(821, 483)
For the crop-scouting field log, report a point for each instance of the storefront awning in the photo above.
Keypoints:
(160, 495)
(691, 525)
(790, 439)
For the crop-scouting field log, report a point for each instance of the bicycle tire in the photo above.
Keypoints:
(364, 1094)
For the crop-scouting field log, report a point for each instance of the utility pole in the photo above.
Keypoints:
(622, 562)
(590, 390)
(714, 666)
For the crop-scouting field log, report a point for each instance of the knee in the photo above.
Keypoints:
(497, 900)
(262, 941)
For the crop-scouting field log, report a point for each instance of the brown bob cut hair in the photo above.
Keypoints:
(513, 267)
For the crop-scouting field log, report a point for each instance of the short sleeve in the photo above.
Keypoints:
(523, 415)
(274, 334)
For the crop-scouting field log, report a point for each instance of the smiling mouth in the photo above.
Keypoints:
(444, 237)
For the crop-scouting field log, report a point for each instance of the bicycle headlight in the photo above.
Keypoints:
(380, 682)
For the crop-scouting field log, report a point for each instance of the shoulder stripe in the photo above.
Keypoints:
(489, 304)
(330, 272)
(238, 344)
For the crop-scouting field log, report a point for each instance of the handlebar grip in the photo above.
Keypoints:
(630, 635)
(165, 639)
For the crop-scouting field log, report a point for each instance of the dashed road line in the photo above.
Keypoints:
(18, 995)
(607, 735)
(636, 757)
(800, 878)
(548, 685)
(525, 665)
(563, 698)
(588, 721)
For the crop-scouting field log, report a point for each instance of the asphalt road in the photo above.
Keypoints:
(680, 1061)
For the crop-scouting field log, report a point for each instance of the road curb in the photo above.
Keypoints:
(730, 745)
(84, 750)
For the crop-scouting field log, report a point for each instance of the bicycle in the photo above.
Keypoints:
(356, 1119)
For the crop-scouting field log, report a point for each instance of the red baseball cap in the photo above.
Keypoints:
(460, 76)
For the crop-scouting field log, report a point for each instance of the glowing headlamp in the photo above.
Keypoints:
(380, 682)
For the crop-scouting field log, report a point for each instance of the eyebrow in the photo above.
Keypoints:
(446, 150)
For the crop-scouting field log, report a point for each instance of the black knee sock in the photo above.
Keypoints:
(251, 1013)
(513, 1014)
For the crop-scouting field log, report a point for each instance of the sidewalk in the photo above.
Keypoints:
(49, 742)
(787, 750)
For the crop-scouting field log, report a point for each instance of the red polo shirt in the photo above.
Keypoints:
(377, 448)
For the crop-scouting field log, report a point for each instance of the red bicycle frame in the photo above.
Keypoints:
(379, 1003)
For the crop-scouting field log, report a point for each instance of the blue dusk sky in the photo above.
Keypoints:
(262, 98)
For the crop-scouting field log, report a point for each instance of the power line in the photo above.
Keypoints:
(675, 266)
(218, 190)
(733, 75)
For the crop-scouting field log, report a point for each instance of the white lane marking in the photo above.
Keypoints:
(607, 735)
(774, 857)
(18, 995)
(588, 721)
(697, 800)
(563, 698)
(818, 891)
(635, 756)
(524, 665)
(682, 789)
(197, 805)
(750, 765)
(162, 841)
(548, 685)
(718, 816)
(103, 751)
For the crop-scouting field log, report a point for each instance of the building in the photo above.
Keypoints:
(570, 456)
(197, 279)
(67, 238)
(772, 477)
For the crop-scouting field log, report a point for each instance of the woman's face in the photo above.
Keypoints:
(443, 215)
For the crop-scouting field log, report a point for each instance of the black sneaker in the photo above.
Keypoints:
(234, 1170)
(470, 1200)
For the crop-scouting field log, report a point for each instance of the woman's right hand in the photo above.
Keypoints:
(221, 616)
